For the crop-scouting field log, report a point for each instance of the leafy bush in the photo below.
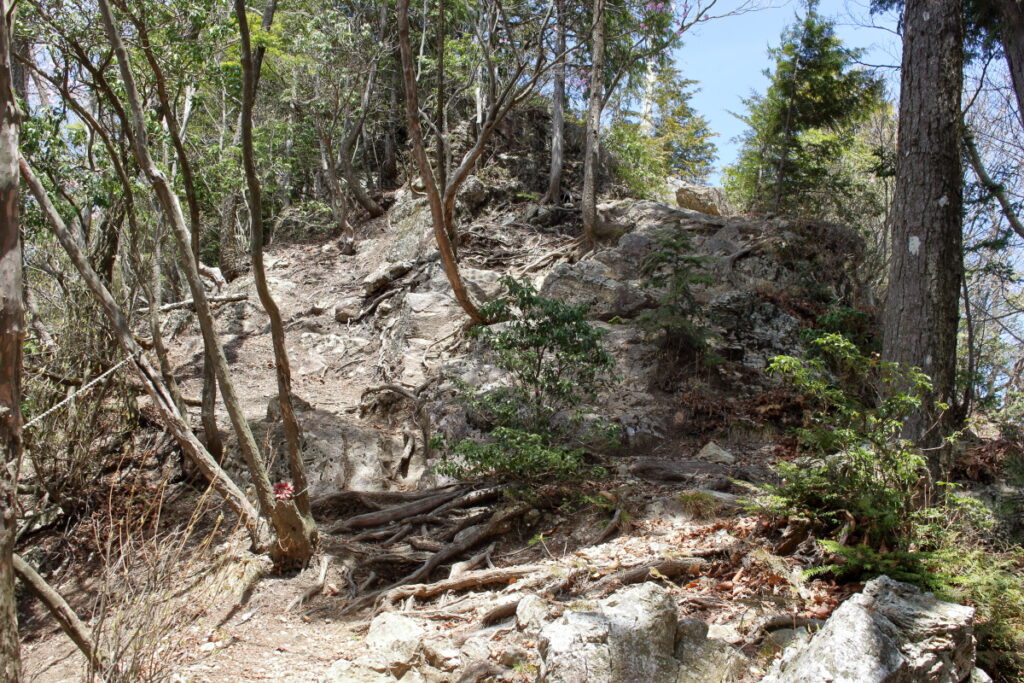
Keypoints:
(513, 454)
(861, 482)
(674, 269)
(856, 471)
(552, 354)
(556, 365)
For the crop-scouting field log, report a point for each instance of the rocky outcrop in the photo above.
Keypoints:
(593, 284)
(889, 633)
(709, 200)
(632, 635)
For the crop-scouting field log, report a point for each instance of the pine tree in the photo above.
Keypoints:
(804, 122)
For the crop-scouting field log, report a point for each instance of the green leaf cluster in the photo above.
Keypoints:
(556, 365)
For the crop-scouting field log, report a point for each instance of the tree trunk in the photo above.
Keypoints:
(339, 204)
(60, 610)
(162, 399)
(922, 308)
(591, 151)
(12, 334)
(1012, 38)
(441, 226)
(288, 524)
(554, 193)
(349, 141)
(208, 417)
(303, 536)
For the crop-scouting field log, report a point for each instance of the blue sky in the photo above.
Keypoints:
(727, 56)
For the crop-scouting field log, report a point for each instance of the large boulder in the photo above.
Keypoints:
(890, 633)
(709, 200)
(632, 635)
(592, 284)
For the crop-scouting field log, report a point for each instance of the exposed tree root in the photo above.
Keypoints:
(667, 568)
(317, 587)
(475, 579)
(498, 522)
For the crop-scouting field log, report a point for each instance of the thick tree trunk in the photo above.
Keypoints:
(922, 308)
(1012, 38)
(554, 193)
(60, 610)
(593, 133)
(287, 522)
(303, 536)
(12, 334)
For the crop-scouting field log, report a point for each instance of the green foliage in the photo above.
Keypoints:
(513, 454)
(672, 270)
(669, 138)
(856, 471)
(556, 365)
(804, 125)
(853, 324)
(552, 354)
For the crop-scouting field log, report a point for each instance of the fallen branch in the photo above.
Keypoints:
(462, 582)
(667, 568)
(188, 303)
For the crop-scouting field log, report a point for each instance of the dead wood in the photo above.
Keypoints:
(475, 579)
(399, 512)
(660, 568)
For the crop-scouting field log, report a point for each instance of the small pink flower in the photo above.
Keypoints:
(283, 490)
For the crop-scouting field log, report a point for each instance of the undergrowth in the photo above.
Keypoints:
(865, 492)
(537, 423)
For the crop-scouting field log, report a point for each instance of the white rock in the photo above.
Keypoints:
(712, 452)
(889, 633)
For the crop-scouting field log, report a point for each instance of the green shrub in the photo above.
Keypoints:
(856, 471)
(673, 269)
(512, 454)
(537, 422)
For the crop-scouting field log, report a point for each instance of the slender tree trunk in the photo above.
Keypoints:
(554, 193)
(591, 152)
(288, 548)
(60, 610)
(304, 535)
(1012, 38)
(339, 204)
(348, 143)
(12, 334)
(442, 228)
(208, 416)
(161, 397)
(921, 311)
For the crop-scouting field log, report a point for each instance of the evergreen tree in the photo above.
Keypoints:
(804, 122)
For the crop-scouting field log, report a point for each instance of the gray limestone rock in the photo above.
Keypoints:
(889, 633)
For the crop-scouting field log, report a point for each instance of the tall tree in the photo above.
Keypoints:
(514, 62)
(292, 432)
(921, 311)
(12, 332)
(804, 122)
